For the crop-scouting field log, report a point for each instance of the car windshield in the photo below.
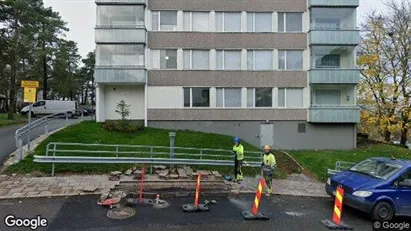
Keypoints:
(376, 168)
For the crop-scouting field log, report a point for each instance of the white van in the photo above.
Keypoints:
(44, 107)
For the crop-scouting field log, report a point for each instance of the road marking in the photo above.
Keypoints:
(295, 214)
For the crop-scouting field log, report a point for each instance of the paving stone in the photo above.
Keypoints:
(188, 170)
(89, 189)
(114, 178)
(181, 173)
(42, 189)
(204, 172)
(163, 173)
(160, 167)
(216, 173)
(128, 172)
(17, 195)
(32, 193)
(31, 189)
(174, 176)
(138, 173)
(115, 173)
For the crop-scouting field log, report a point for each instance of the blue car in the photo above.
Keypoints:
(380, 187)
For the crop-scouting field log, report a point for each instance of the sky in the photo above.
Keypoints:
(80, 16)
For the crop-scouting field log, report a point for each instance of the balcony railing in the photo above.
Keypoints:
(129, 35)
(120, 74)
(334, 37)
(334, 114)
(334, 76)
(334, 3)
(136, 2)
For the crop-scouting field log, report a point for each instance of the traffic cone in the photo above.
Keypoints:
(336, 222)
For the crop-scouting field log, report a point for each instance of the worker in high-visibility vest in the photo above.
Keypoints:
(268, 165)
(238, 151)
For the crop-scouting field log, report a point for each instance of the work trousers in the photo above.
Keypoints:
(238, 174)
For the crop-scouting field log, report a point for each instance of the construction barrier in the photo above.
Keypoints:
(196, 207)
(336, 222)
(255, 215)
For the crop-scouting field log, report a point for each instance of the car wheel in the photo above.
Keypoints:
(69, 115)
(383, 211)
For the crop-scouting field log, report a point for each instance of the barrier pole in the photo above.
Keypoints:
(258, 196)
(197, 198)
(339, 195)
(142, 183)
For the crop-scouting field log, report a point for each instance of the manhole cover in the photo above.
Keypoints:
(121, 213)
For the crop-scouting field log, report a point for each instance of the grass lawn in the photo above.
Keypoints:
(317, 162)
(90, 133)
(6, 122)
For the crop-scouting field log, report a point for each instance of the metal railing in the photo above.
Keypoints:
(139, 154)
(26, 130)
(340, 166)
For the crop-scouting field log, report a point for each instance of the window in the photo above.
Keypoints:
(120, 15)
(290, 60)
(39, 104)
(196, 21)
(120, 55)
(259, 22)
(196, 59)
(290, 97)
(327, 61)
(228, 97)
(301, 128)
(228, 60)
(259, 97)
(327, 97)
(290, 22)
(196, 97)
(228, 22)
(164, 20)
(260, 60)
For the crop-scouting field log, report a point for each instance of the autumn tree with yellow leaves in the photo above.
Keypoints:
(385, 62)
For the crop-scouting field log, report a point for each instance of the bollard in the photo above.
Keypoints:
(196, 207)
(20, 147)
(172, 138)
(336, 222)
(255, 215)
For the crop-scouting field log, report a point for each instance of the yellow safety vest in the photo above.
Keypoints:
(269, 160)
(240, 151)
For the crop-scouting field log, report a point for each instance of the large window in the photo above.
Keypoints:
(196, 59)
(228, 97)
(290, 60)
(260, 59)
(113, 15)
(259, 97)
(228, 22)
(120, 55)
(290, 22)
(196, 21)
(164, 59)
(327, 97)
(290, 97)
(196, 97)
(228, 60)
(259, 22)
(164, 20)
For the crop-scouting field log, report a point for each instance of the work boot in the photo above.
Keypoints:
(269, 192)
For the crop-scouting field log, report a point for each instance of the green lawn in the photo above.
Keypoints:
(317, 162)
(90, 132)
(4, 122)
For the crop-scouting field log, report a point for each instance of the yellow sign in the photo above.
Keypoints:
(29, 94)
(31, 84)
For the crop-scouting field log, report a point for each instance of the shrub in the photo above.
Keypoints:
(121, 126)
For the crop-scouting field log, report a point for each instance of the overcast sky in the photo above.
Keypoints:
(80, 16)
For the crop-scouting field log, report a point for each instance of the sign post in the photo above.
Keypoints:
(30, 90)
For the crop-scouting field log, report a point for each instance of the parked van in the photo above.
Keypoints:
(44, 107)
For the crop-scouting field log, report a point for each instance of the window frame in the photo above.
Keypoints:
(191, 97)
(223, 68)
(159, 19)
(223, 22)
(254, 97)
(285, 22)
(223, 97)
(285, 97)
(191, 59)
(286, 60)
(190, 26)
(253, 55)
(253, 22)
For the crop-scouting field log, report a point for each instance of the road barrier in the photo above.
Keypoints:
(336, 222)
(255, 215)
(340, 166)
(140, 154)
(196, 207)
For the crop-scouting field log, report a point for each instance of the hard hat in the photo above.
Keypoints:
(237, 140)
(267, 147)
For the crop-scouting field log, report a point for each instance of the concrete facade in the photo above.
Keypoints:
(227, 66)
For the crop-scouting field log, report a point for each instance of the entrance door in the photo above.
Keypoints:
(266, 134)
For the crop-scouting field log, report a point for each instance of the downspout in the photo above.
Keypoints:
(146, 68)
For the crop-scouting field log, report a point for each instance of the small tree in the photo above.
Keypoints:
(123, 109)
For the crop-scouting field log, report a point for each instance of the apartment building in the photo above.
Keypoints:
(270, 72)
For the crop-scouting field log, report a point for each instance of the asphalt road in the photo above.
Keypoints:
(7, 135)
(82, 213)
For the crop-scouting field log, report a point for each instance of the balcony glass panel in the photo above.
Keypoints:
(120, 75)
(334, 37)
(120, 16)
(120, 55)
(129, 35)
(333, 19)
(344, 95)
(333, 57)
(335, 3)
(334, 114)
(142, 2)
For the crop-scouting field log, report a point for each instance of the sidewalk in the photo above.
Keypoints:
(13, 187)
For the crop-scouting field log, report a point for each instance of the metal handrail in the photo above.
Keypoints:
(340, 166)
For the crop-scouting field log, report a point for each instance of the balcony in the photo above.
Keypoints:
(334, 37)
(334, 114)
(121, 2)
(128, 35)
(334, 3)
(334, 76)
(120, 75)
